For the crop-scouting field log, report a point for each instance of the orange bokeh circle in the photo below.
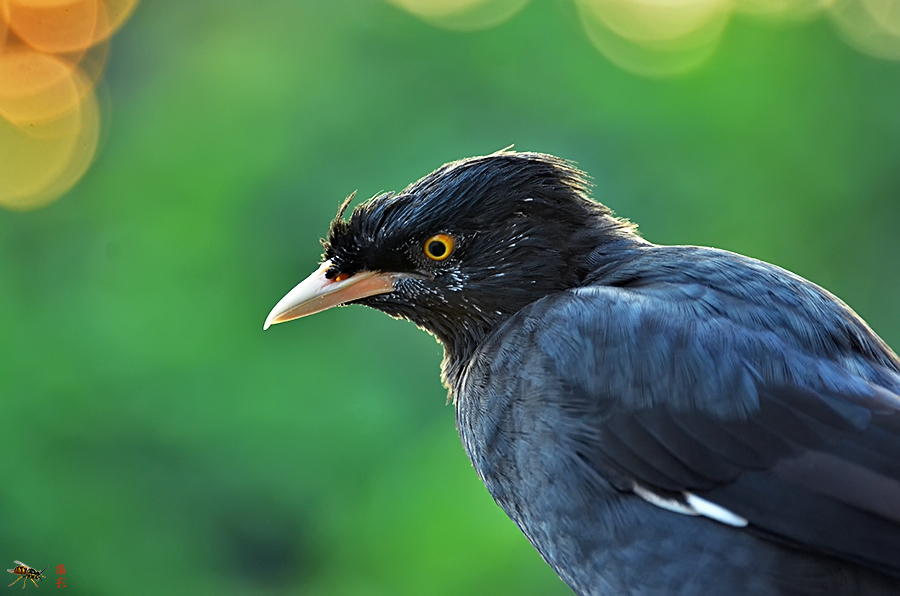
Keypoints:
(66, 25)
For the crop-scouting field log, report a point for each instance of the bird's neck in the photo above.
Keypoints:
(461, 337)
(459, 350)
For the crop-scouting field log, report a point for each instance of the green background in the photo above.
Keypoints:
(155, 440)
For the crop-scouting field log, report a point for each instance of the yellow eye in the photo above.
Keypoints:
(438, 247)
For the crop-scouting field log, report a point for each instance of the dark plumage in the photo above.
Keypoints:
(657, 420)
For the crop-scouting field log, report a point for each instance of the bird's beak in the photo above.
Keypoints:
(317, 293)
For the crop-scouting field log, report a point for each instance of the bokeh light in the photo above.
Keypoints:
(52, 53)
(462, 15)
(784, 9)
(66, 25)
(871, 26)
(36, 87)
(41, 159)
(655, 37)
(3, 26)
(670, 37)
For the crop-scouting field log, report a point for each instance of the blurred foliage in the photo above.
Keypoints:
(155, 440)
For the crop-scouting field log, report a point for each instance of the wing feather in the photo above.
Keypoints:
(802, 446)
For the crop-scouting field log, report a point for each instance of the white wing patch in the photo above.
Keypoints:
(691, 505)
(713, 511)
(664, 502)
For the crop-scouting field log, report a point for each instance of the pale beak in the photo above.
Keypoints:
(317, 293)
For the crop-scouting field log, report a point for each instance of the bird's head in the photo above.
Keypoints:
(463, 248)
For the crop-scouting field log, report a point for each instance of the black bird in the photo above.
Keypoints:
(657, 420)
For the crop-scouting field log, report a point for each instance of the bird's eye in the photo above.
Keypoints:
(438, 247)
(341, 277)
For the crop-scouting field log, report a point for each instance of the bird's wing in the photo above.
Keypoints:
(696, 413)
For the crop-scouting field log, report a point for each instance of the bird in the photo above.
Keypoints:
(657, 420)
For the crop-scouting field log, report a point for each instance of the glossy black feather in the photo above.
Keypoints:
(733, 415)
(612, 393)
